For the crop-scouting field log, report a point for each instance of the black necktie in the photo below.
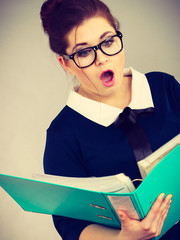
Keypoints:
(128, 122)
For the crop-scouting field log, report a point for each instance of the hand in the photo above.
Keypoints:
(150, 226)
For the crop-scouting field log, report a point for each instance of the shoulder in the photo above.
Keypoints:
(160, 76)
(161, 79)
(63, 121)
(164, 88)
(68, 121)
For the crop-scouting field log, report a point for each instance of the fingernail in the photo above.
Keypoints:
(121, 215)
(170, 198)
(162, 195)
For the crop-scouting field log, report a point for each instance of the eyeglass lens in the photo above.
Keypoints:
(110, 46)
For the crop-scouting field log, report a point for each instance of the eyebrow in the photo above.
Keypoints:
(85, 43)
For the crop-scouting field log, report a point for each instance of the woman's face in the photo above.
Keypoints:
(96, 79)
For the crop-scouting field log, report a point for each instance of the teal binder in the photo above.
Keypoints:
(48, 198)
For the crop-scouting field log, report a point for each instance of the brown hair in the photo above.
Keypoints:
(59, 17)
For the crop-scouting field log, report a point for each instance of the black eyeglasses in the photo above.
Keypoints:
(86, 57)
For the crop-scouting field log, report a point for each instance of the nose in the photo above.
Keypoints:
(101, 58)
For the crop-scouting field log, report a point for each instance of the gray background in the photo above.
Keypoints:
(34, 88)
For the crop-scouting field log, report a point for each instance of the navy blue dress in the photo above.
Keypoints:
(79, 147)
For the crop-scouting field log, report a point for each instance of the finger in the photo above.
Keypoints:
(161, 223)
(155, 208)
(166, 205)
(163, 217)
(164, 208)
(123, 218)
(162, 214)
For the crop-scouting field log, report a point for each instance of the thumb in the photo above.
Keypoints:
(123, 218)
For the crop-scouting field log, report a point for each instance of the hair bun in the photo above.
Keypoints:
(46, 11)
(59, 17)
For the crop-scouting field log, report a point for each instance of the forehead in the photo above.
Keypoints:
(89, 31)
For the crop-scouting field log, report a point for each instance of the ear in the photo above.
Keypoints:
(65, 64)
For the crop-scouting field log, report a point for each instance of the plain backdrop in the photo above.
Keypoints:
(34, 88)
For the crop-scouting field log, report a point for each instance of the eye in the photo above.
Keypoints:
(108, 42)
(84, 53)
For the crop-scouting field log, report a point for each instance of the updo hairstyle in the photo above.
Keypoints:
(59, 17)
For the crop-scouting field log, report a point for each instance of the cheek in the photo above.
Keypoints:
(119, 64)
(120, 59)
(85, 77)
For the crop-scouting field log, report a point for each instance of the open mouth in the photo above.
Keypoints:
(107, 78)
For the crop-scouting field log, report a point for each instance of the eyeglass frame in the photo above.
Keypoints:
(95, 48)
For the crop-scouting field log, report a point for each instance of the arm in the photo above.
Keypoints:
(148, 228)
(62, 157)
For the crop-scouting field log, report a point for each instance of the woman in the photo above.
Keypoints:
(88, 138)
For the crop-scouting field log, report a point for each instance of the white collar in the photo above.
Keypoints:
(105, 114)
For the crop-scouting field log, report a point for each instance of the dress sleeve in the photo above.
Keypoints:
(62, 157)
(62, 154)
(174, 92)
